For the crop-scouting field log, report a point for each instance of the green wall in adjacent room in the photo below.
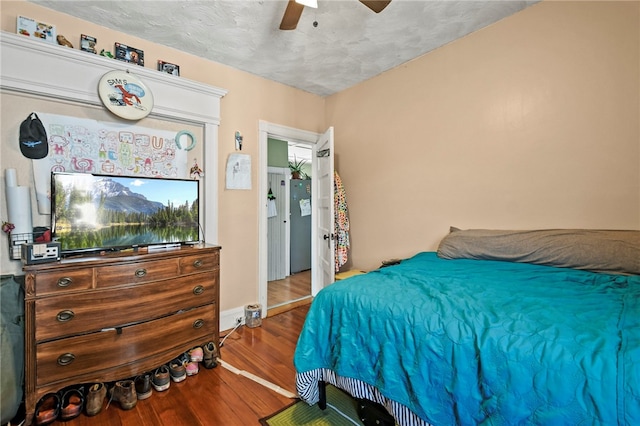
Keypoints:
(277, 153)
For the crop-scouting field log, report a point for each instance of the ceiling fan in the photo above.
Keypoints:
(294, 10)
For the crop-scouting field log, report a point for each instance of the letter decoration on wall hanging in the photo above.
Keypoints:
(125, 95)
(90, 146)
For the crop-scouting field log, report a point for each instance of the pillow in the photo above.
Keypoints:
(611, 251)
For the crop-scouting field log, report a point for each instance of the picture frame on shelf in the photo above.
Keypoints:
(129, 54)
(169, 68)
(34, 29)
(88, 43)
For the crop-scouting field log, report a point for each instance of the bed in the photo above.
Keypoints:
(496, 327)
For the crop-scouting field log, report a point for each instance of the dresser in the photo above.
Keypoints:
(112, 317)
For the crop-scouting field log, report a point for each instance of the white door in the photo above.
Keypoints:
(324, 241)
(278, 223)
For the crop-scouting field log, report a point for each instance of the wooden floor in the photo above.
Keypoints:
(218, 396)
(295, 287)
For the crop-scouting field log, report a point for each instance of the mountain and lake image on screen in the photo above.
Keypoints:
(93, 212)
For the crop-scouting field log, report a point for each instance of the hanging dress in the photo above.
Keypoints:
(341, 221)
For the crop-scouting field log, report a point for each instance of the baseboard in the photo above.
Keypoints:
(228, 318)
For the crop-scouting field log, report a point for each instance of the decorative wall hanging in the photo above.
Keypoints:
(196, 172)
(238, 171)
(238, 141)
(185, 138)
(125, 95)
(90, 146)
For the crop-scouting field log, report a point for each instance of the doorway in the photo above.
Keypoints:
(289, 224)
(322, 211)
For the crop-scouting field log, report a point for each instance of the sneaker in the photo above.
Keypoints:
(196, 354)
(210, 359)
(143, 386)
(177, 370)
(192, 368)
(160, 380)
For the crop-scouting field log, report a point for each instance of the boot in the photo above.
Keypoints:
(210, 359)
(95, 398)
(143, 386)
(124, 392)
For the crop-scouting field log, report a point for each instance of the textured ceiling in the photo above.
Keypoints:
(350, 44)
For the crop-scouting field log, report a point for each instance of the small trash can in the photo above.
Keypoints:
(253, 316)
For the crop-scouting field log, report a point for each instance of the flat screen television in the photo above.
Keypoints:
(94, 212)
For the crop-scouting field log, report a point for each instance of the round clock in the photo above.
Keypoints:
(125, 95)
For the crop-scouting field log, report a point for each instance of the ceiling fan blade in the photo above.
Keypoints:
(291, 16)
(376, 5)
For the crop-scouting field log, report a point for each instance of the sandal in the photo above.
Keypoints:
(47, 409)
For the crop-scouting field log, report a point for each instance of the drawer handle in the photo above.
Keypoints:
(141, 272)
(197, 263)
(198, 290)
(64, 282)
(66, 315)
(66, 359)
(198, 323)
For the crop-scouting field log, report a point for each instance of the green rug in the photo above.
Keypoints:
(302, 414)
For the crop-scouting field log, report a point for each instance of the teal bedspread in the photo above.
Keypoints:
(484, 342)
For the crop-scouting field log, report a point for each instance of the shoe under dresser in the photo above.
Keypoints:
(111, 317)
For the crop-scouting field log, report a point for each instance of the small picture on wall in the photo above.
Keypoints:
(129, 54)
(39, 30)
(169, 68)
(88, 43)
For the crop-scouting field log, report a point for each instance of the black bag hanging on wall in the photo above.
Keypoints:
(34, 143)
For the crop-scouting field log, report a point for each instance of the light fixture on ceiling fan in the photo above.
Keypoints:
(308, 3)
(294, 10)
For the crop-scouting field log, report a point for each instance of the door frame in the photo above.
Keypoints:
(268, 130)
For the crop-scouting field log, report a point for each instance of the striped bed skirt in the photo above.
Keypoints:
(307, 387)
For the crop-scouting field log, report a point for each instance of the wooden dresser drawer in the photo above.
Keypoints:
(136, 272)
(61, 282)
(60, 359)
(93, 311)
(191, 264)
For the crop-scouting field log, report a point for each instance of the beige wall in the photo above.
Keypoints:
(532, 122)
(249, 99)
